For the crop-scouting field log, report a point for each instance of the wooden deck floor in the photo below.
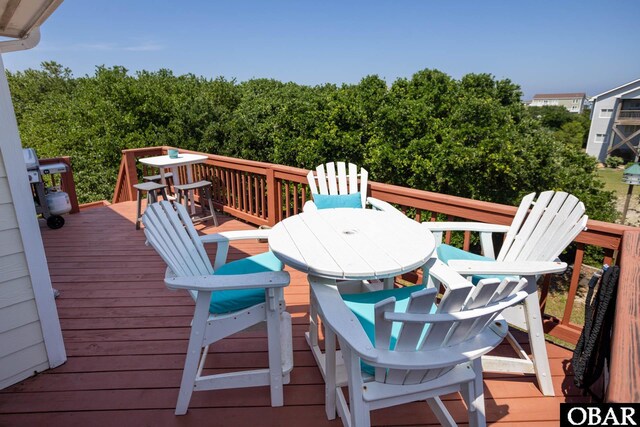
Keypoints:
(126, 337)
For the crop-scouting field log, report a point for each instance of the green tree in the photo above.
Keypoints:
(469, 137)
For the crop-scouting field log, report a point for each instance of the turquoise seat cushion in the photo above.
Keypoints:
(447, 253)
(333, 201)
(362, 305)
(239, 299)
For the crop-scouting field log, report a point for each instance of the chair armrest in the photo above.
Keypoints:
(381, 205)
(340, 319)
(466, 226)
(309, 206)
(227, 236)
(505, 268)
(223, 239)
(278, 279)
(485, 230)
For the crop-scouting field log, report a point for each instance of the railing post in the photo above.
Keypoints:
(624, 382)
(131, 172)
(69, 186)
(272, 212)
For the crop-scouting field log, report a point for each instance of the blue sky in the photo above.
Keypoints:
(544, 46)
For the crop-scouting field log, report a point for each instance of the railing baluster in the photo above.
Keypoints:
(573, 287)
(245, 202)
(544, 292)
(227, 183)
(250, 193)
(287, 198)
(447, 235)
(467, 240)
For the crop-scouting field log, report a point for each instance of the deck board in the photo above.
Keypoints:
(126, 337)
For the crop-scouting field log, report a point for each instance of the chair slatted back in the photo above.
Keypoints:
(464, 312)
(169, 230)
(335, 178)
(542, 233)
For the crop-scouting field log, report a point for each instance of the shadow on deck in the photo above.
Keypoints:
(126, 338)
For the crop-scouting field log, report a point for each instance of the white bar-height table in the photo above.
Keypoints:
(349, 244)
(183, 159)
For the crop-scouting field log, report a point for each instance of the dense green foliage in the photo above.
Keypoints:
(470, 137)
(570, 128)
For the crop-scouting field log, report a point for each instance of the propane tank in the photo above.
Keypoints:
(58, 202)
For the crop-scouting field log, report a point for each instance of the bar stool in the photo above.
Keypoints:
(152, 189)
(204, 189)
(168, 176)
(156, 178)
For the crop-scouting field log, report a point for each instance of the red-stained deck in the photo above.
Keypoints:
(126, 337)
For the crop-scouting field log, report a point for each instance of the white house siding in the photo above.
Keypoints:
(22, 349)
(597, 145)
(604, 125)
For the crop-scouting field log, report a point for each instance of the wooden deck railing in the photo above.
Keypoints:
(624, 384)
(629, 114)
(67, 184)
(264, 194)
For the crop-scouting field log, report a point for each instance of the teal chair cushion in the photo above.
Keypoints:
(362, 305)
(447, 253)
(239, 299)
(333, 201)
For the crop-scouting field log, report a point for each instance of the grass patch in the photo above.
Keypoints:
(612, 179)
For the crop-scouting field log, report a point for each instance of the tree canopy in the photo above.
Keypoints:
(470, 137)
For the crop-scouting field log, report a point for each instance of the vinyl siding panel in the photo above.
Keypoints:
(5, 193)
(19, 314)
(20, 338)
(11, 235)
(14, 292)
(23, 364)
(22, 349)
(8, 218)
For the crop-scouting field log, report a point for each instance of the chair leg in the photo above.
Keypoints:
(194, 350)
(273, 339)
(139, 209)
(330, 373)
(163, 192)
(358, 408)
(209, 196)
(474, 397)
(441, 412)
(538, 344)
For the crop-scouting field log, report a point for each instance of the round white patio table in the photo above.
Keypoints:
(349, 244)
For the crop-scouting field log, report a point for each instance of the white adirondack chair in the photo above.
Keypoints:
(340, 178)
(227, 301)
(532, 244)
(429, 355)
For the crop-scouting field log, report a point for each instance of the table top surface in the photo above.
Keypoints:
(352, 244)
(182, 159)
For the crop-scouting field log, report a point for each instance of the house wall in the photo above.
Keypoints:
(22, 349)
(600, 130)
(30, 335)
(574, 105)
(603, 125)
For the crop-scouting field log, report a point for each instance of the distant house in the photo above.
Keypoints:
(573, 102)
(615, 122)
